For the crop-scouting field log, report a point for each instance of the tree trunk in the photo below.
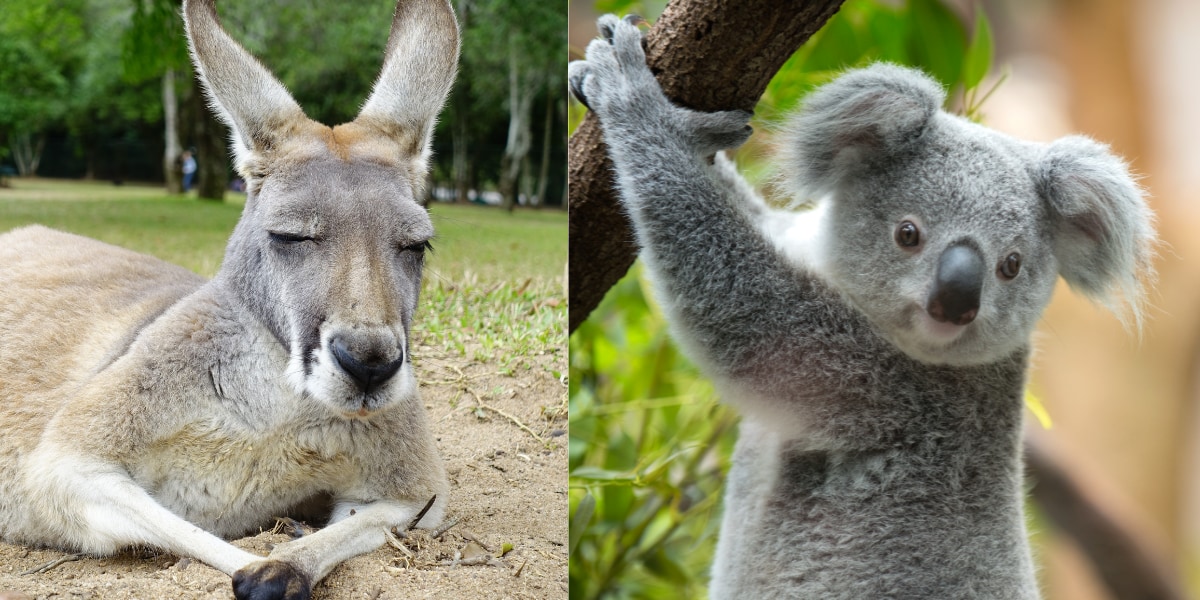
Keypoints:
(89, 157)
(171, 167)
(460, 105)
(211, 138)
(526, 182)
(520, 108)
(708, 55)
(547, 139)
(27, 152)
(460, 136)
(1113, 536)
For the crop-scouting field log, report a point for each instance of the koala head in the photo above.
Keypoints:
(949, 236)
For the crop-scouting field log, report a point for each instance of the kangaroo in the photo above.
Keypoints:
(141, 404)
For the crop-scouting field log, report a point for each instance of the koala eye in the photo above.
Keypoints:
(1010, 266)
(907, 235)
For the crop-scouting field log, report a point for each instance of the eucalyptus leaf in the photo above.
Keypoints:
(938, 41)
(978, 59)
(597, 474)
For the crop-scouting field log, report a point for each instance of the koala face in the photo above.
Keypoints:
(949, 252)
(949, 236)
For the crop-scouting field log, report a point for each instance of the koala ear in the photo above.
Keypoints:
(1103, 231)
(863, 116)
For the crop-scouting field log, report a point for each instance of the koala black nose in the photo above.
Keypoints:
(959, 283)
(367, 373)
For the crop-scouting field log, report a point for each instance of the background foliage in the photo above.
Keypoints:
(82, 80)
(649, 443)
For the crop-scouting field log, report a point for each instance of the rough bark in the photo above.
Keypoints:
(708, 55)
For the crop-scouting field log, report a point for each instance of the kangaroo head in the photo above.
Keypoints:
(329, 248)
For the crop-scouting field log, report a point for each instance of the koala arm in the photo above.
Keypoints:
(758, 325)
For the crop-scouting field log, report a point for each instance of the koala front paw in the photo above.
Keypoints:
(614, 77)
(615, 83)
(271, 580)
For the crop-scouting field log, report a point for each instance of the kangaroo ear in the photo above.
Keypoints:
(418, 72)
(863, 116)
(1103, 230)
(242, 92)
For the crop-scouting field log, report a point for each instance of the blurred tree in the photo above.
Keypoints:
(152, 48)
(98, 75)
(28, 77)
(40, 56)
(505, 36)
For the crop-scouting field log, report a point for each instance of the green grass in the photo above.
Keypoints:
(184, 231)
(490, 246)
(493, 291)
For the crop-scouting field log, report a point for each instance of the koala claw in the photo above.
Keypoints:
(575, 80)
(607, 25)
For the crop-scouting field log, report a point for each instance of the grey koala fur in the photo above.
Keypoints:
(880, 448)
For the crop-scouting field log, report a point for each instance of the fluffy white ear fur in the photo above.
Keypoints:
(863, 116)
(1104, 232)
(255, 105)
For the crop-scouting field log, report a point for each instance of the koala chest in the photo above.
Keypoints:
(855, 524)
(231, 483)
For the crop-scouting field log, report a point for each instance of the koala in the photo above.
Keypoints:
(876, 346)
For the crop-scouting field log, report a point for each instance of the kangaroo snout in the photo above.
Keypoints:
(957, 287)
(369, 365)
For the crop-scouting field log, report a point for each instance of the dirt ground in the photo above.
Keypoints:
(509, 488)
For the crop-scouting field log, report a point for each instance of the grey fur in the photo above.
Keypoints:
(880, 449)
(140, 404)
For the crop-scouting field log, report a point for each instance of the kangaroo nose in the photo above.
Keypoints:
(367, 374)
(957, 286)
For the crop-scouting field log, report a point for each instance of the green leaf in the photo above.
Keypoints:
(979, 54)
(580, 520)
(597, 474)
(888, 29)
(837, 47)
(662, 564)
(938, 40)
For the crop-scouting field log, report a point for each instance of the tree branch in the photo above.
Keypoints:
(1128, 561)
